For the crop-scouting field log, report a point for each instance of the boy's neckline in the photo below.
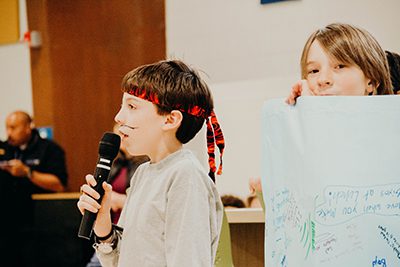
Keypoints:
(169, 157)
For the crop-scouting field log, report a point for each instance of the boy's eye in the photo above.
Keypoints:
(340, 66)
(131, 106)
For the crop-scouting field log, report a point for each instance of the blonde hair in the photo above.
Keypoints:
(353, 46)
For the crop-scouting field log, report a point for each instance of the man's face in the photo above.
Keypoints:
(18, 130)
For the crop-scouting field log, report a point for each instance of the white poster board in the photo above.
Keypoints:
(331, 181)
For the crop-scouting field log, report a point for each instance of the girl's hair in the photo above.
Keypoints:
(394, 67)
(354, 46)
(175, 86)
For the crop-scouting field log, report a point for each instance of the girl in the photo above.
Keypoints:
(342, 59)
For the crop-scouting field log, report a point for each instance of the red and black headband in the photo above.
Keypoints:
(214, 132)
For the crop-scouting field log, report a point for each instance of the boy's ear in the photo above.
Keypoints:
(173, 120)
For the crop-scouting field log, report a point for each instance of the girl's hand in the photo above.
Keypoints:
(298, 89)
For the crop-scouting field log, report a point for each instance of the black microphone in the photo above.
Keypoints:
(108, 150)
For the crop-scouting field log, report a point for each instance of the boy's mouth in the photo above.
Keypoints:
(122, 131)
(123, 134)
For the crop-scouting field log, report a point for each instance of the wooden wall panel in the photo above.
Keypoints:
(88, 46)
(247, 244)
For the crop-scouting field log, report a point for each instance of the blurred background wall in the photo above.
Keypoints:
(251, 52)
(248, 52)
(87, 47)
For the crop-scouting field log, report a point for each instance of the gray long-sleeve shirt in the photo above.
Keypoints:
(172, 216)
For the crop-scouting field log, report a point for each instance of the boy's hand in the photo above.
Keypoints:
(298, 89)
(88, 201)
(89, 197)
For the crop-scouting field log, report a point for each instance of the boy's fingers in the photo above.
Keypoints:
(106, 201)
(107, 187)
(89, 197)
(88, 190)
(87, 203)
(90, 180)
(90, 201)
(82, 206)
(107, 190)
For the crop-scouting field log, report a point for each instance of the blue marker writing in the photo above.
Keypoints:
(379, 262)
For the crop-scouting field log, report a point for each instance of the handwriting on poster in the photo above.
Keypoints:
(287, 216)
(343, 203)
(390, 239)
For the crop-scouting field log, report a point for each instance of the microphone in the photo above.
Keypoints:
(108, 150)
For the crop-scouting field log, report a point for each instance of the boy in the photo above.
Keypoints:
(173, 213)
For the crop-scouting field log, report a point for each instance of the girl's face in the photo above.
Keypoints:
(326, 76)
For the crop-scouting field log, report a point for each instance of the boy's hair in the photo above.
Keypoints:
(394, 67)
(354, 46)
(177, 87)
(172, 85)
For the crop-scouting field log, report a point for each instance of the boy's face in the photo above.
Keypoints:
(326, 76)
(140, 125)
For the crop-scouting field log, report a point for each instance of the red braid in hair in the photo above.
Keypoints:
(214, 136)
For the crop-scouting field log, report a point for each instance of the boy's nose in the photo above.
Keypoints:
(118, 117)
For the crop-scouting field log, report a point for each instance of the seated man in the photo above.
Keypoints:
(29, 156)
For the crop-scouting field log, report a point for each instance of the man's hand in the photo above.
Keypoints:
(16, 168)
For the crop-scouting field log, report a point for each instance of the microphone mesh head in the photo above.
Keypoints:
(109, 145)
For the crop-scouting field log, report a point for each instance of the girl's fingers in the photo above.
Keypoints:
(107, 193)
(294, 93)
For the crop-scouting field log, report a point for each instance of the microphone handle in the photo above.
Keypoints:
(88, 219)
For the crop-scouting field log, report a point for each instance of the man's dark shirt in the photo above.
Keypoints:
(17, 246)
(40, 155)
